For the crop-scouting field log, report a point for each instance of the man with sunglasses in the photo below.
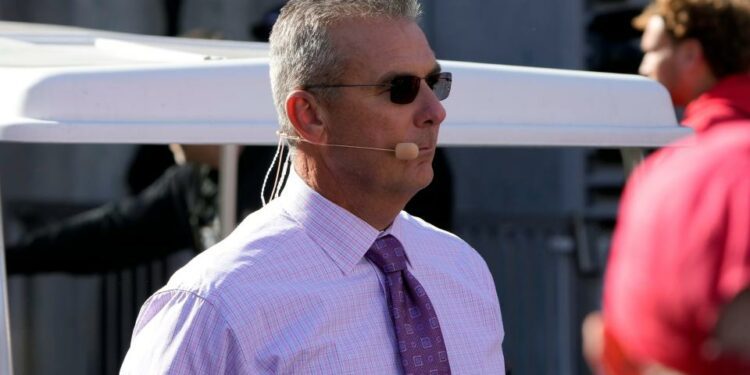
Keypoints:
(333, 277)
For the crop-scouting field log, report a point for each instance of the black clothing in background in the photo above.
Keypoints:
(148, 164)
(171, 214)
(137, 229)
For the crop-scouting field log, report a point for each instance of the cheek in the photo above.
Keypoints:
(350, 125)
(386, 128)
(372, 123)
(661, 67)
(667, 76)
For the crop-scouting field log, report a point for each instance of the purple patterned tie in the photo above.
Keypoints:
(417, 329)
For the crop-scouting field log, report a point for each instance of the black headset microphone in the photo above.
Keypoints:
(404, 151)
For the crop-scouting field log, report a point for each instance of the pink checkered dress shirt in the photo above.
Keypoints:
(291, 292)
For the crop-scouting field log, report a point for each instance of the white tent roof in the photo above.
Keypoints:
(63, 84)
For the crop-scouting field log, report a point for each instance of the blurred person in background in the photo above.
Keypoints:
(677, 285)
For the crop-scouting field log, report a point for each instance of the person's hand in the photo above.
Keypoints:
(592, 332)
(202, 154)
(732, 331)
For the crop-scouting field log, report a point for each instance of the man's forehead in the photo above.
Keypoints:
(376, 47)
(655, 34)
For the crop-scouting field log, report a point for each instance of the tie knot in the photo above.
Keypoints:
(388, 254)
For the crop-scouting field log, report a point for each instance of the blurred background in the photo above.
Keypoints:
(541, 217)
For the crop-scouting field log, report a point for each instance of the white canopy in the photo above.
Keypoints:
(74, 85)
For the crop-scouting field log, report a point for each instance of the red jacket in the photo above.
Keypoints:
(681, 249)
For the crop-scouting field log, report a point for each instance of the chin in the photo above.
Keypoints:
(423, 176)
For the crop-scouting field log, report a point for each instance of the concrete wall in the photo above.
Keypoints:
(516, 32)
(137, 16)
(520, 181)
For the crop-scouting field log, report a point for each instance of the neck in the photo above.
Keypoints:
(703, 83)
(376, 208)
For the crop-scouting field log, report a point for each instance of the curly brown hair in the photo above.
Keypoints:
(722, 27)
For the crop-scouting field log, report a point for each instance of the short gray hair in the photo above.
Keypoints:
(301, 50)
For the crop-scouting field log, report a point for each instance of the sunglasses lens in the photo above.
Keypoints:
(440, 84)
(404, 89)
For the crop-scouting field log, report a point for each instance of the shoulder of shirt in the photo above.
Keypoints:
(716, 145)
(456, 253)
(424, 228)
(721, 150)
(429, 232)
(243, 257)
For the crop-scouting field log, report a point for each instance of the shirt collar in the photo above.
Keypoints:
(396, 229)
(342, 235)
(725, 101)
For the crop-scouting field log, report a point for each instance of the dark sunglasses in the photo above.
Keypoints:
(404, 89)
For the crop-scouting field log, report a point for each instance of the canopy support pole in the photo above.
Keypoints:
(228, 189)
(6, 358)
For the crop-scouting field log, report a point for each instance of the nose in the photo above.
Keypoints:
(431, 112)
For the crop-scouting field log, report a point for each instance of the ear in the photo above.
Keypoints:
(691, 54)
(303, 111)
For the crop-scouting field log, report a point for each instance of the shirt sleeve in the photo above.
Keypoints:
(178, 332)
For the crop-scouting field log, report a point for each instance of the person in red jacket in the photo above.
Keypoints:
(677, 286)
